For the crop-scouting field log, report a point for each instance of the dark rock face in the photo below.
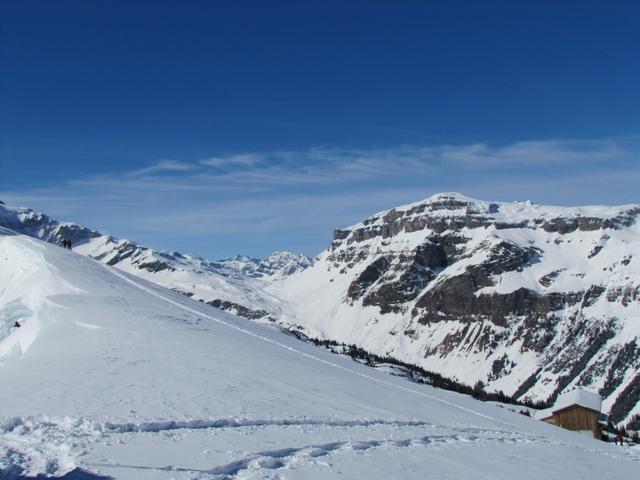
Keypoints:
(536, 332)
(455, 299)
(155, 266)
(582, 344)
(626, 357)
(368, 277)
(406, 276)
(625, 295)
(592, 295)
(503, 257)
(548, 279)
(122, 252)
(390, 296)
(341, 234)
(396, 222)
(456, 296)
(627, 400)
(500, 367)
(239, 310)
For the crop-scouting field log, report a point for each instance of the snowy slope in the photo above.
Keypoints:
(531, 300)
(235, 285)
(118, 377)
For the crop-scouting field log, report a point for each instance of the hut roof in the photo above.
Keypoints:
(580, 397)
(584, 398)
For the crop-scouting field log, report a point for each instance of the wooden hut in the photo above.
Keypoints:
(575, 410)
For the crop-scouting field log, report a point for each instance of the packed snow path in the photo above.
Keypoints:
(111, 376)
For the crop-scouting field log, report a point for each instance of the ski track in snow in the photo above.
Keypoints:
(259, 464)
(160, 426)
(286, 457)
(299, 352)
(281, 458)
(52, 445)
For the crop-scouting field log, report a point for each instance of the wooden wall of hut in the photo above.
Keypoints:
(576, 417)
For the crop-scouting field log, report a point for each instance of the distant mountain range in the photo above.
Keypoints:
(233, 284)
(527, 299)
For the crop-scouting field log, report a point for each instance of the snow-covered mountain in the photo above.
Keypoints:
(111, 376)
(230, 284)
(528, 299)
(277, 266)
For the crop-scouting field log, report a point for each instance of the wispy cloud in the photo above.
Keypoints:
(531, 153)
(243, 159)
(255, 202)
(321, 165)
(161, 166)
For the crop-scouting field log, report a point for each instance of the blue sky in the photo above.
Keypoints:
(245, 127)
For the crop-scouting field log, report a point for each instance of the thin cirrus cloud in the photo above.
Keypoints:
(322, 165)
(161, 166)
(533, 153)
(254, 203)
(244, 159)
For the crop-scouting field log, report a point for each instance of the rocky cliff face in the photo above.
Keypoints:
(530, 300)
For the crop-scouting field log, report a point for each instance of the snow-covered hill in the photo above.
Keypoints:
(235, 285)
(530, 300)
(111, 375)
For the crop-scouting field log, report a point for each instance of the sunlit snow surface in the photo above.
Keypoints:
(110, 375)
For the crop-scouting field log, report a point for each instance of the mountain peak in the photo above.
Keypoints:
(449, 196)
